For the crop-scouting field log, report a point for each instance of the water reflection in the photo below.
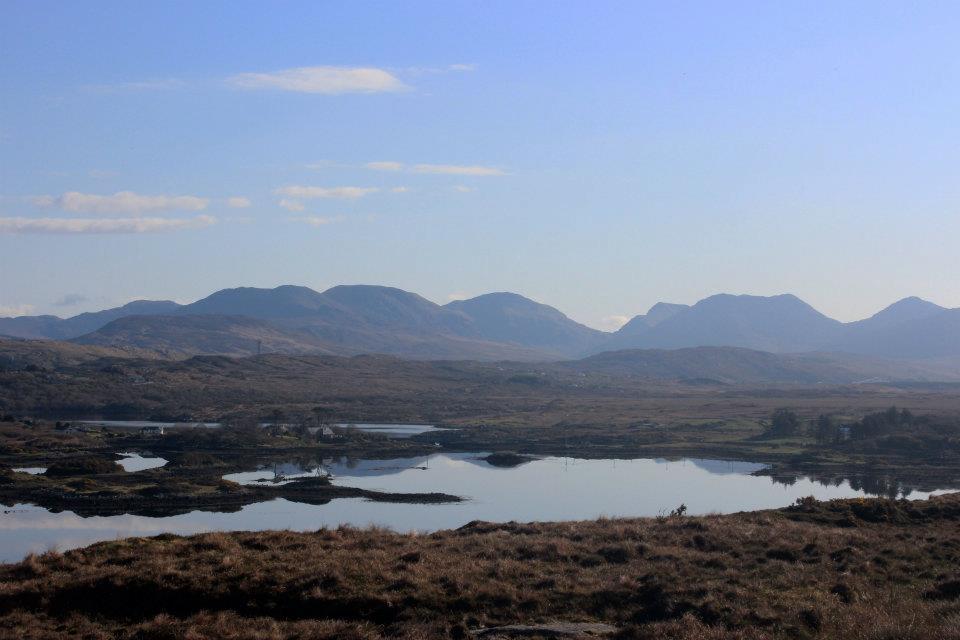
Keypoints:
(872, 484)
(543, 489)
(133, 462)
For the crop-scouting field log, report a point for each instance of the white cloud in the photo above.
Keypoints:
(318, 221)
(323, 80)
(458, 170)
(238, 202)
(122, 202)
(445, 169)
(460, 68)
(344, 193)
(401, 190)
(14, 310)
(291, 205)
(612, 323)
(102, 225)
(456, 295)
(463, 189)
(385, 165)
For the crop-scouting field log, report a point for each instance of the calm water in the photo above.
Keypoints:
(135, 462)
(545, 489)
(389, 430)
(393, 430)
(139, 424)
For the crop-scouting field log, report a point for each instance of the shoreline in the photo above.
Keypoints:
(843, 568)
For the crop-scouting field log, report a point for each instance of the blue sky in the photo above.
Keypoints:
(598, 157)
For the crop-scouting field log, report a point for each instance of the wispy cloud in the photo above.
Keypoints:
(463, 188)
(322, 80)
(102, 225)
(444, 169)
(318, 221)
(291, 205)
(238, 202)
(122, 202)
(458, 170)
(14, 310)
(71, 300)
(456, 295)
(401, 190)
(385, 166)
(307, 193)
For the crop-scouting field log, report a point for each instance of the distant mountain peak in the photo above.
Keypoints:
(353, 319)
(510, 317)
(914, 306)
(662, 311)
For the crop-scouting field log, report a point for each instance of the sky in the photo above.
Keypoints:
(598, 157)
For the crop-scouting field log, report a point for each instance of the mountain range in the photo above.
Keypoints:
(357, 319)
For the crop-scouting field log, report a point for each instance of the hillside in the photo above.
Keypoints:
(511, 318)
(788, 573)
(222, 335)
(346, 320)
(909, 329)
(933, 333)
(357, 319)
(51, 354)
(777, 324)
(734, 365)
(52, 327)
(177, 336)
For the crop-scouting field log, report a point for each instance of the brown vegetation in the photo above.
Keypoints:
(862, 569)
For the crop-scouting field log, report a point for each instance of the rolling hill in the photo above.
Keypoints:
(202, 334)
(511, 318)
(52, 327)
(735, 365)
(778, 324)
(357, 319)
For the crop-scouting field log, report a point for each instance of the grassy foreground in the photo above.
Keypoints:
(858, 569)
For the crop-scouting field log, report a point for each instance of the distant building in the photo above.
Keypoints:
(152, 432)
(323, 432)
(68, 427)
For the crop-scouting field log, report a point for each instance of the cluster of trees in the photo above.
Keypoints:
(889, 426)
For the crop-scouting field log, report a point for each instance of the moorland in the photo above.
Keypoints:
(871, 569)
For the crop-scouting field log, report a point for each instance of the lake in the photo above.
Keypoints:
(544, 489)
(389, 430)
(133, 462)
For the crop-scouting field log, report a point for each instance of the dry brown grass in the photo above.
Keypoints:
(889, 572)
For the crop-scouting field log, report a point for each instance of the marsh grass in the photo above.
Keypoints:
(864, 569)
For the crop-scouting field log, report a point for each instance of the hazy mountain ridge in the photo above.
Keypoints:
(911, 328)
(698, 365)
(55, 328)
(776, 324)
(203, 334)
(511, 318)
(736, 365)
(354, 319)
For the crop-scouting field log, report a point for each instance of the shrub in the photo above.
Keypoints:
(83, 467)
